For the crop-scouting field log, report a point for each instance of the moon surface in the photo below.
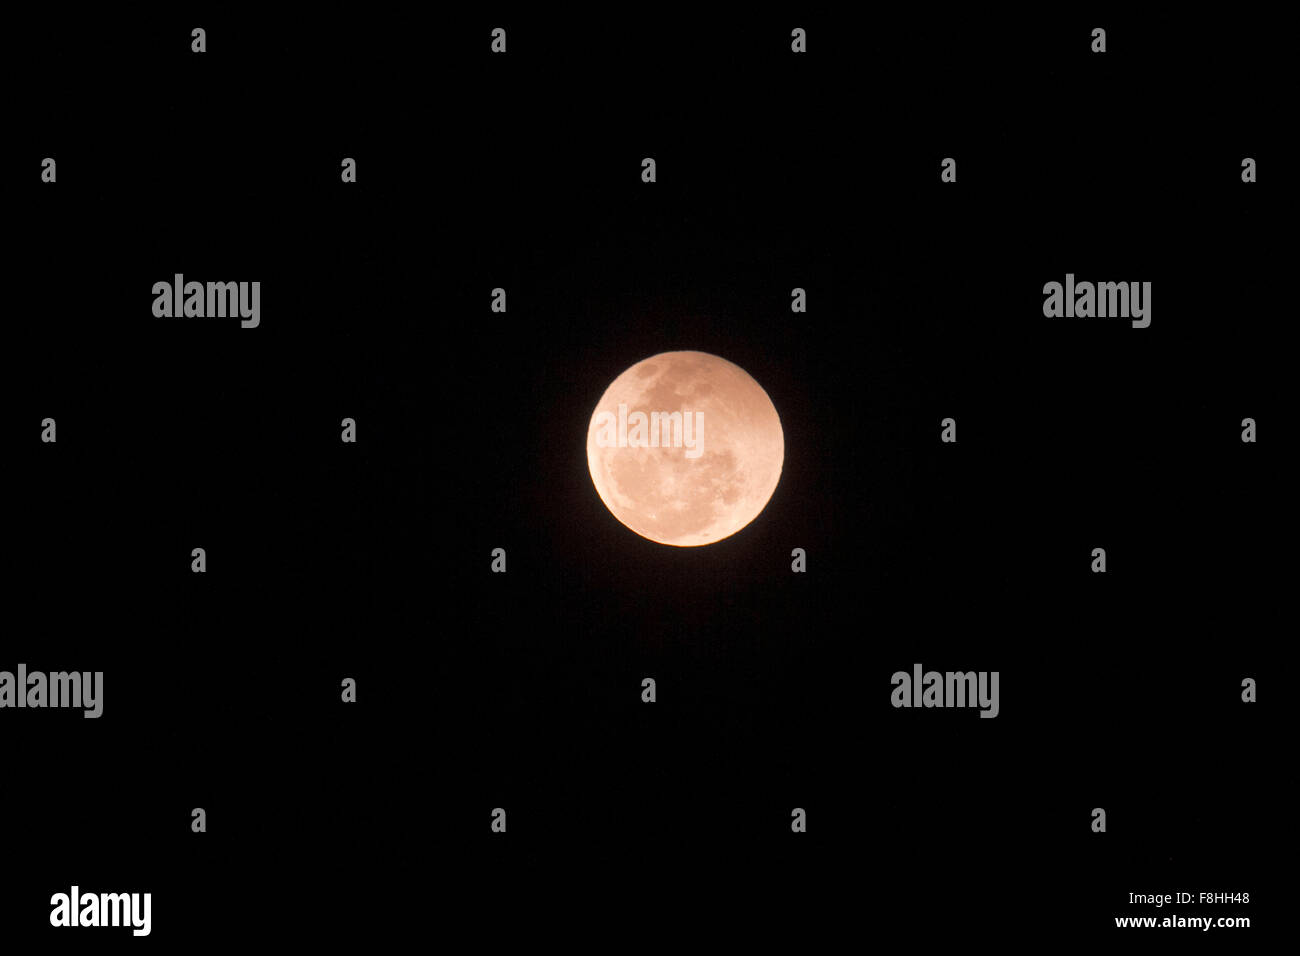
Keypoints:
(709, 477)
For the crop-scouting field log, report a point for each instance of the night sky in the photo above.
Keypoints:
(368, 822)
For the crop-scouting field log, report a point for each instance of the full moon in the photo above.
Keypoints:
(685, 448)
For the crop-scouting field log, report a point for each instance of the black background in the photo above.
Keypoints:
(370, 822)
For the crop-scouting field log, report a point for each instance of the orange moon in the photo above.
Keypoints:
(694, 477)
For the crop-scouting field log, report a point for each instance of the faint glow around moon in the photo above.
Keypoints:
(685, 496)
